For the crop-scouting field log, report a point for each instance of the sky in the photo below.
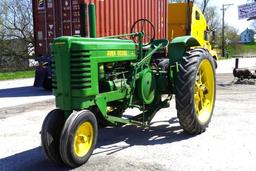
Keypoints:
(231, 14)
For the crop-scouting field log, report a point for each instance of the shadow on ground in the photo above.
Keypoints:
(29, 160)
(24, 92)
(228, 80)
(108, 142)
(246, 82)
(237, 82)
(164, 133)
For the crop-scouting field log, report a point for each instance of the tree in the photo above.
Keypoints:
(212, 17)
(231, 39)
(16, 29)
(231, 34)
(204, 5)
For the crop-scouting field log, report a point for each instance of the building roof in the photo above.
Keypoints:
(248, 30)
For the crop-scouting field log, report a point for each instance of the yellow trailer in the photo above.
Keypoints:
(184, 19)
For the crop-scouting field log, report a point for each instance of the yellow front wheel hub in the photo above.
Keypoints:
(204, 91)
(83, 139)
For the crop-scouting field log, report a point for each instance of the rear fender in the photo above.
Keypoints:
(176, 51)
(179, 46)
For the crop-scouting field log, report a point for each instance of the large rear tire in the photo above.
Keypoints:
(50, 134)
(78, 138)
(195, 91)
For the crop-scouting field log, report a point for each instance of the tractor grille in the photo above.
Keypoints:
(54, 80)
(80, 70)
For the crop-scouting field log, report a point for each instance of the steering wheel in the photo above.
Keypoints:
(143, 25)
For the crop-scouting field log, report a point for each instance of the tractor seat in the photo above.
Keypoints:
(157, 42)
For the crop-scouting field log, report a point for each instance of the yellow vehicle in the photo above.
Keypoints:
(184, 19)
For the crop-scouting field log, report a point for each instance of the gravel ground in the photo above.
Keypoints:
(228, 143)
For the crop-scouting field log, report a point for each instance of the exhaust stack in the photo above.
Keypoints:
(92, 20)
(83, 20)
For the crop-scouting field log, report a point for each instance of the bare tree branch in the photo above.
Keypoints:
(16, 28)
(204, 5)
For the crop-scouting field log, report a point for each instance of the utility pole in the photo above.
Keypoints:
(224, 8)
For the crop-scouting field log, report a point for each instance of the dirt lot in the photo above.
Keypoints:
(228, 143)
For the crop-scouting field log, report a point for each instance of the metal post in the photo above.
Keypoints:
(224, 8)
(223, 31)
(237, 63)
(141, 45)
(92, 20)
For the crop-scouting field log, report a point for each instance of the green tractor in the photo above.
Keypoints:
(96, 79)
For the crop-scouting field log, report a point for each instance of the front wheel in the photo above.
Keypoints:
(50, 134)
(78, 138)
(195, 91)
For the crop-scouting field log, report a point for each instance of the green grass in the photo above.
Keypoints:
(242, 49)
(16, 75)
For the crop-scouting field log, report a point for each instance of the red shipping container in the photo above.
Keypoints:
(54, 18)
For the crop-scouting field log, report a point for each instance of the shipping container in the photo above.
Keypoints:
(54, 18)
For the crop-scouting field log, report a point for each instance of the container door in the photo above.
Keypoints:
(39, 11)
(50, 24)
(66, 17)
(75, 17)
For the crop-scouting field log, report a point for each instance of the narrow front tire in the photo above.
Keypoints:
(50, 134)
(78, 138)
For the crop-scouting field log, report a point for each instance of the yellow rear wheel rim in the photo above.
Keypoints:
(204, 91)
(83, 139)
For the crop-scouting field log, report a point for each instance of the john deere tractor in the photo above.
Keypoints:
(96, 79)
